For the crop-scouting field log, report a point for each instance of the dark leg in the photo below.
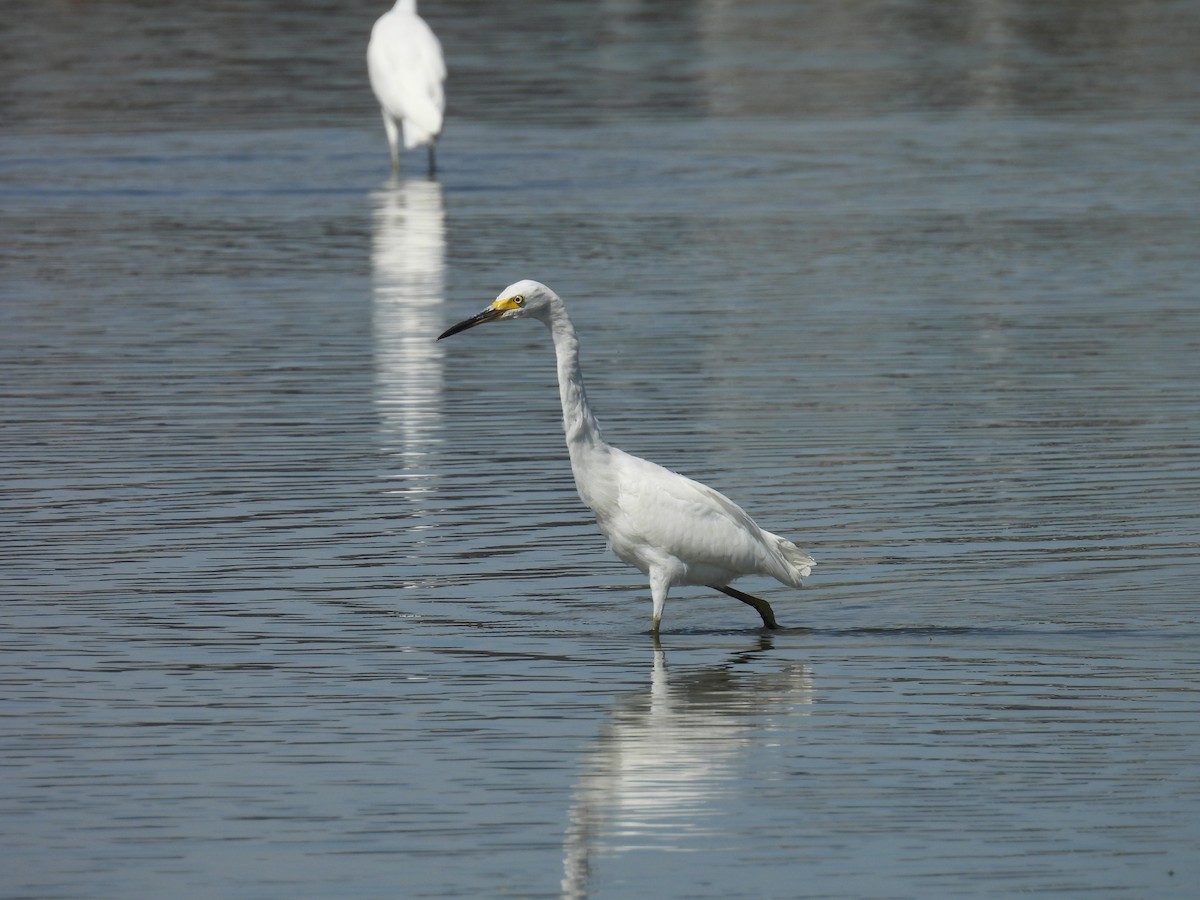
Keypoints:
(432, 161)
(761, 606)
(393, 137)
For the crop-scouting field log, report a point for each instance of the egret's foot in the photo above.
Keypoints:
(761, 606)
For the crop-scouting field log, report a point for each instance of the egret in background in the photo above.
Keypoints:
(405, 65)
(675, 530)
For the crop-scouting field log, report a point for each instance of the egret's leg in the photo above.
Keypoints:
(760, 605)
(432, 161)
(393, 138)
(659, 586)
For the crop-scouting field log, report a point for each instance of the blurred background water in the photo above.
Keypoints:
(298, 602)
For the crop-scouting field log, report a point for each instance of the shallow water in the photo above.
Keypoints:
(297, 600)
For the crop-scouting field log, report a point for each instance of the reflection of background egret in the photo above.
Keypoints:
(662, 762)
(406, 69)
(408, 258)
(674, 529)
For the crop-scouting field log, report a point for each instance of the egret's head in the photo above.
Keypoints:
(525, 299)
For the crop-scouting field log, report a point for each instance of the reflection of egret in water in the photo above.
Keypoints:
(408, 257)
(666, 757)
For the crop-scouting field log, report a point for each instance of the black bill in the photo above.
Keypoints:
(478, 319)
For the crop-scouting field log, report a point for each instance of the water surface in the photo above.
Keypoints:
(299, 601)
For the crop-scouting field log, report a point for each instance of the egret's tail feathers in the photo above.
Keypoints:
(417, 136)
(798, 562)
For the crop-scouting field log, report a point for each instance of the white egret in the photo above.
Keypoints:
(405, 65)
(674, 529)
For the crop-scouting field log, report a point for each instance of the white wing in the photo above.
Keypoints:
(405, 65)
(664, 512)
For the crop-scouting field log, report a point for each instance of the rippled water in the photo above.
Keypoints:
(299, 602)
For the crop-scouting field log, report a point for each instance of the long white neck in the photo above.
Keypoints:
(579, 425)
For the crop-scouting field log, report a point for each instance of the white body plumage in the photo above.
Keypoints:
(672, 527)
(675, 530)
(407, 73)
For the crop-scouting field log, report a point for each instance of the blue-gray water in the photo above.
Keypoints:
(298, 602)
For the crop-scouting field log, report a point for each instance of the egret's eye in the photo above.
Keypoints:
(519, 300)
